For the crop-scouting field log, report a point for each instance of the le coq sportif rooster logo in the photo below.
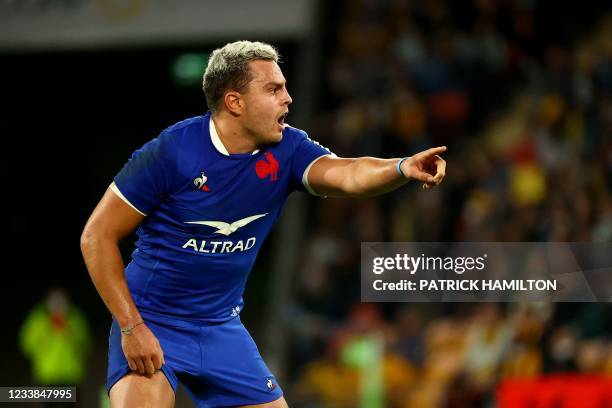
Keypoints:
(267, 167)
(199, 183)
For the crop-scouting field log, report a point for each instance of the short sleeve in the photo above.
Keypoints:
(148, 176)
(306, 153)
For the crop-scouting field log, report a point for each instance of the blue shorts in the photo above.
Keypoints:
(219, 365)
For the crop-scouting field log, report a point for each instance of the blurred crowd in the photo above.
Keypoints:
(527, 118)
(429, 356)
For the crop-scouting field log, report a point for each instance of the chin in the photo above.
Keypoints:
(276, 137)
(271, 139)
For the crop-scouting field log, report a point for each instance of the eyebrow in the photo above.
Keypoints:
(267, 84)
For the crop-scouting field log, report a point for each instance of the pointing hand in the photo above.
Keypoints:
(426, 166)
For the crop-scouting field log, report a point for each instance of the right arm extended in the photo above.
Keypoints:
(111, 220)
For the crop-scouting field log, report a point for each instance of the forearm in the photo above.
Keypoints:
(106, 269)
(370, 176)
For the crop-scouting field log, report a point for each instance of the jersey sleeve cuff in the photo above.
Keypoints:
(305, 176)
(115, 189)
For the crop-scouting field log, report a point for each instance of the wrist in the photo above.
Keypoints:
(399, 167)
(129, 329)
(129, 320)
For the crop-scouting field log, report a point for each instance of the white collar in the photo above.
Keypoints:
(216, 141)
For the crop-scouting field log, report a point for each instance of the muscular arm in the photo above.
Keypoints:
(370, 176)
(110, 221)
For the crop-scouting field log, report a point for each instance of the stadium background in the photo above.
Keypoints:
(520, 92)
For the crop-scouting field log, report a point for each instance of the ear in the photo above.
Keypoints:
(234, 102)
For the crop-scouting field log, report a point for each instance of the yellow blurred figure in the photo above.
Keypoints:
(55, 336)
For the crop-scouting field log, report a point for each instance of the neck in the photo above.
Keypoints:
(233, 136)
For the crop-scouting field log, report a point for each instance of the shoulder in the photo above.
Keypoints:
(38, 311)
(293, 133)
(299, 138)
(294, 136)
(181, 136)
(184, 130)
(189, 124)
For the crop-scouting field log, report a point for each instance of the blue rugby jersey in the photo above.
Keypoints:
(207, 215)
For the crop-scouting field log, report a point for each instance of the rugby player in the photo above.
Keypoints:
(203, 196)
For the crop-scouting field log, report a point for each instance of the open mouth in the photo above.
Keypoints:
(281, 120)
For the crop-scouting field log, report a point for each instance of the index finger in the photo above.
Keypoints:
(132, 365)
(432, 152)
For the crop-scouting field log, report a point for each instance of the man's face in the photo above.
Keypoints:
(266, 102)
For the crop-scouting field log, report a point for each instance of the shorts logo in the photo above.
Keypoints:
(270, 384)
(199, 183)
(267, 167)
(235, 311)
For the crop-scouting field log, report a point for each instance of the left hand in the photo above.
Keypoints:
(426, 166)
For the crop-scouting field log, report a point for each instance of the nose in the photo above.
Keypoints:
(288, 99)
